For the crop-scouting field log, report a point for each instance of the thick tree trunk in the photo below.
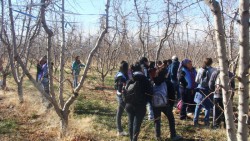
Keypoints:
(20, 91)
(64, 123)
(242, 133)
(221, 50)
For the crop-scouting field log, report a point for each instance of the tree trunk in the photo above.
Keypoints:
(4, 81)
(221, 50)
(20, 91)
(62, 61)
(103, 80)
(64, 123)
(243, 92)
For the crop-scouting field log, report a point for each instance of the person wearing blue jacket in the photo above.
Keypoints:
(187, 91)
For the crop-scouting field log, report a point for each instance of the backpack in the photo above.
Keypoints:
(133, 92)
(160, 95)
(205, 78)
(119, 74)
(213, 79)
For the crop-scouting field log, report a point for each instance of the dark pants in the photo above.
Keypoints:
(188, 104)
(176, 89)
(171, 93)
(168, 112)
(218, 114)
(135, 117)
(120, 110)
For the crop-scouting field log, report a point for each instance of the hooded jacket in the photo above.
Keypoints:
(145, 91)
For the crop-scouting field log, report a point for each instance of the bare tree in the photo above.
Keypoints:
(63, 111)
(242, 133)
(168, 30)
(25, 51)
(106, 57)
(221, 50)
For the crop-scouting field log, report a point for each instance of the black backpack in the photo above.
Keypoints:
(133, 92)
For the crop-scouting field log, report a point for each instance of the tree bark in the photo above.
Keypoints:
(13, 52)
(4, 81)
(62, 61)
(221, 50)
(243, 92)
(20, 91)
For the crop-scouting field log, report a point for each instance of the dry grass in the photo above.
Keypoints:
(92, 118)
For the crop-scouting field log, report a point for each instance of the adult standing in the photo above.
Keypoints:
(121, 79)
(187, 87)
(144, 63)
(142, 93)
(76, 68)
(202, 79)
(215, 86)
(161, 86)
(173, 69)
(39, 71)
(45, 81)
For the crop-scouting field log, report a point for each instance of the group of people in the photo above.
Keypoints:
(139, 86)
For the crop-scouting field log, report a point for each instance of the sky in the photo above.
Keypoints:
(86, 14)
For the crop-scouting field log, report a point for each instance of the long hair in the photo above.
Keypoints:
(160, 75)
(124, 67)
(136, 67)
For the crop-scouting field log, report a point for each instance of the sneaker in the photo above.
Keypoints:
(206, 123)
(122, 133)
(176, 138)
(196, 124)
(189, 114)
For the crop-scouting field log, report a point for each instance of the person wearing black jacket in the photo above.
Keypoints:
(144, 63)
(121, 79)
(136, 111)
(160, 79)
(173, 69)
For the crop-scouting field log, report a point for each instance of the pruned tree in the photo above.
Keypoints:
(243, 92)
(62, 107)
(14, 47)
(169, 27)
(221, 50)
(3, 57)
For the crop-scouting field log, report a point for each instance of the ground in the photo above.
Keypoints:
(92, 118)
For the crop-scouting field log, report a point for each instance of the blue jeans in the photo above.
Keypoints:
(45, 84)
(120, 110)
(198, 110)
(75, 82)
(150, 110)
(168, 112)
(135, 117)
(206, 103)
